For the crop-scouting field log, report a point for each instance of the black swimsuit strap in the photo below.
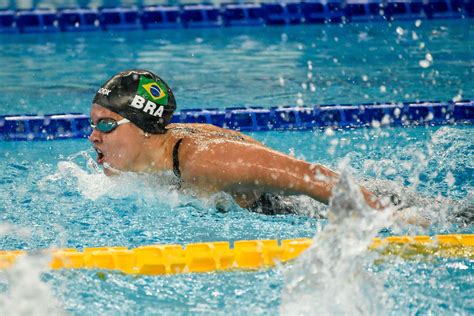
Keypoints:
(176, 170)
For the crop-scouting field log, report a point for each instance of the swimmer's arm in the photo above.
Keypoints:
(242, 167)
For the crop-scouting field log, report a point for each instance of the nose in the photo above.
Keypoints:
(95, 136)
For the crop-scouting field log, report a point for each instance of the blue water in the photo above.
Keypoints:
(51, 197)
(309, 64)
(69, 211)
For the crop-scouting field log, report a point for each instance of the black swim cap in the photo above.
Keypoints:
(140, 96)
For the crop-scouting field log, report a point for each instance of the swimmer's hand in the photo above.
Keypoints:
(407, 214)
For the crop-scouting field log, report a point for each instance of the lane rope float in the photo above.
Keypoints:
(254, 118)
(245, 254)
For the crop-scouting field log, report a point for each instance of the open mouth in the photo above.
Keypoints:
(100, 156)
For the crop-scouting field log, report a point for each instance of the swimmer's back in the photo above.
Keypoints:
(208, 132)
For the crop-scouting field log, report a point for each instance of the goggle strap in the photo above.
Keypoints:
(123, 121)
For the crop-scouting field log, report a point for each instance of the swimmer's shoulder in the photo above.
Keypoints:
(209, 131)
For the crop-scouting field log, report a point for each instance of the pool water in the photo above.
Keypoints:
(53, 196)
(51, 200)
(271, 66)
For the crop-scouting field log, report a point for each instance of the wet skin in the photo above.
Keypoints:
(212, 159)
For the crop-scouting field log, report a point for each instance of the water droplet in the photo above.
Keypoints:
(239, 292)
(450, 179)
(397, 112)
(383, 89)
(329, 132)
(281, 81)
(458, 97)
(385, 120)
(428, 57)
(417, 23)
(424, 63)
(400, 31)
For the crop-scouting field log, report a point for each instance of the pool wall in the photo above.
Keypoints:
(227, 15)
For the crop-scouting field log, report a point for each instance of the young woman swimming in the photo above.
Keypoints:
(130, 118)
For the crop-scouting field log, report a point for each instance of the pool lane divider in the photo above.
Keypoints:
(255, 118)
(207, 15)
(244, 255)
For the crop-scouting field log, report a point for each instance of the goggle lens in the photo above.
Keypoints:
(106, 126)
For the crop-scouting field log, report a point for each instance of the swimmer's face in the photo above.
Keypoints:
(121, 148)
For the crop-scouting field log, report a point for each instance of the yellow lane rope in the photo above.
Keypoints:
(245, 254)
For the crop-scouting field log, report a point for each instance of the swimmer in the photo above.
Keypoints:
(131, 132)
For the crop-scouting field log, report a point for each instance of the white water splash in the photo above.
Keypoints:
(436, 166)
(421, 210)
(331, 277)
(93, 184)
(26, 293)
(10, 229)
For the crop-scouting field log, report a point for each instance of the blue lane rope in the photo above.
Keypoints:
(232, 14)
(63, 126)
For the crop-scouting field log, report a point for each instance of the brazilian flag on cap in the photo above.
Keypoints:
(153, 91)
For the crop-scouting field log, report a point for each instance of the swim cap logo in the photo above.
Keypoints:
(153, 91)
(104, 91)
(147, 106)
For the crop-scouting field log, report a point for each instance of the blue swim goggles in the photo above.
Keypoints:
(107, 125)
